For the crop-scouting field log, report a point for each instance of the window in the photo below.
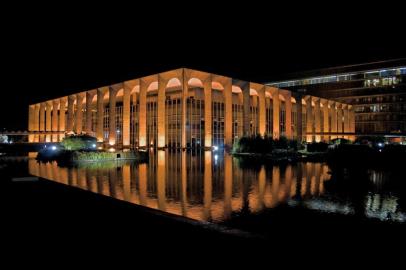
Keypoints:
(372, 74)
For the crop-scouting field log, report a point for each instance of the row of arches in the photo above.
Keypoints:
(149, 111)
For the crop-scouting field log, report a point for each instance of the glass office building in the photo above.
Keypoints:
(376, 90)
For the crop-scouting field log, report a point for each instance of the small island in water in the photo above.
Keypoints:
(83, 148)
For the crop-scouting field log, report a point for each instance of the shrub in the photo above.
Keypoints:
(78, 142)
(263, 145)
(317, 147)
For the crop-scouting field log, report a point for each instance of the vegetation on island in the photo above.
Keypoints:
(79, 142)
(265, 145)
(82, 148)
(373, 151)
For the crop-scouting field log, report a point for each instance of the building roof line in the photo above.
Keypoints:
(341, 72)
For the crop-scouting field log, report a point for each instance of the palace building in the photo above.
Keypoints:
(187, 108)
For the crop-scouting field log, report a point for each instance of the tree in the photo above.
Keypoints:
(79, 142)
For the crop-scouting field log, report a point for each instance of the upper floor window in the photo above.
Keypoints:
(381, 82)
(372, 74)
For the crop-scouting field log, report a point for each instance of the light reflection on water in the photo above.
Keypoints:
(210, 187)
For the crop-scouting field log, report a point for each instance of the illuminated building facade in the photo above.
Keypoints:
(377, 91)
(186, 108)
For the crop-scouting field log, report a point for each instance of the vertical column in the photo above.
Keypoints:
(79, 113)
(228, 113)
(309, 120)
(48, 116)
(261, 188)
(161, 112)
(208, 187)
(62, 109)
(339, 119)
(112, 116)
(126, 116)
(262, 112)
(288, 115)
(228, 185)
(185, 90)
(326, 128)
(276, 108)
(143, 114)
(351, 116)
(346, 119)
(299, 126)
(317, 119)
(36, 117)
(333, 111)
(183, 184)
(55, 108)
(48, 121)
(143, 178)
(207, 113)
(246, 100)
(42, 120)
(71, 101)
(161, 180)
(31, 117)
(36, 121)
(133, 99)
(352, 119)
(89, 114)
(127, 182)
(275, 188)
(100, 114)
(288, 183)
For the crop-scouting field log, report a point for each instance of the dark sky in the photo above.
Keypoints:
(51, 56)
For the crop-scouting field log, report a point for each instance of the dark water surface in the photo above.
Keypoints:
(216, 187)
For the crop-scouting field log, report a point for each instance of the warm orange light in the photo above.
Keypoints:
(161, 141)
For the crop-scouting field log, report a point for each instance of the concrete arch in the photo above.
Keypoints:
(153, 86)
(165, 80)
(174, 82)
(190, 74)
(120, 93)
(217, 85)
(195, 82)
(226, 84)
(253, 92)
(94, 99)
(114, 92)
(195, 78)
(135, 89)
(236, 89)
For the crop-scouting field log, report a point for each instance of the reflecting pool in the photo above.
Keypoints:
(212, 186)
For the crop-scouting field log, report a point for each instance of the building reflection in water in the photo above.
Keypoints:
(204, 186)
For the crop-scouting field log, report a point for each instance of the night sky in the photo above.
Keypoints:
(51, 56)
